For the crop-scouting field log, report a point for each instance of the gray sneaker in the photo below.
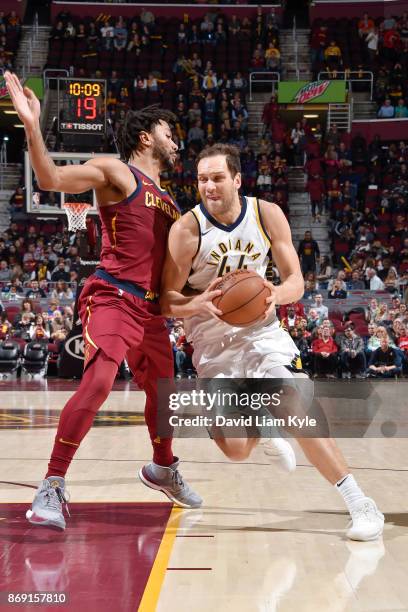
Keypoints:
(46, 508)
(169, 481)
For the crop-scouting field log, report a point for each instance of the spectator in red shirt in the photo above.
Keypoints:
(297, 306)
(278, 130)
(403, 342)
(365, 25)
(324, 352)
(291, 319)
(313, 165)
(391, 43)
(316, 188)
(270, 111)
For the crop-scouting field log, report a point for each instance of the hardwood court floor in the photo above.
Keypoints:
(263, 541)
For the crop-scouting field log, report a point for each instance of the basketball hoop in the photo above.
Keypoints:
(76, 213)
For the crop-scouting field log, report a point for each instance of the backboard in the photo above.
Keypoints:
(50, 204)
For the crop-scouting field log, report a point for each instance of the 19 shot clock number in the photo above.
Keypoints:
(82, 106)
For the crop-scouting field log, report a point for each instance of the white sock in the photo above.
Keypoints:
(350, 491)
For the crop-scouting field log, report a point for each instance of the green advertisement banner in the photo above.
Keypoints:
(303, 92)
(34, 83)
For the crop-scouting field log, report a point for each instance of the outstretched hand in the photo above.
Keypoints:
(24, 100)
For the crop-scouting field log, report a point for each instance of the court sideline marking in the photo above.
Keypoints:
(158, 571)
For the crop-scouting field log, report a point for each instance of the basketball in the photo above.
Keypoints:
(243, 297)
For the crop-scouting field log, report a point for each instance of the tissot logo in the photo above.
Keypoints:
(75, 347)
(94, 127)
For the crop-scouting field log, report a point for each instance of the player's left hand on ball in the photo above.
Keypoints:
(270, 301)
(204, 301)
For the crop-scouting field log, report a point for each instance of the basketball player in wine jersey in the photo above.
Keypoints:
(263, 349)
(119, 305)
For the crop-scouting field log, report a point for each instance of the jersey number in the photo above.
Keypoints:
(224, 269)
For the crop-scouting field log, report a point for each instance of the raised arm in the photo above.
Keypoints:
(285, 257)
(182, 246)
(94, 174)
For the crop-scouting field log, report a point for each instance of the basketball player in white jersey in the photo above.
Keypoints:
(246, 228)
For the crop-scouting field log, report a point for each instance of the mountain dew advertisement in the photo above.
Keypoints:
(316, 92)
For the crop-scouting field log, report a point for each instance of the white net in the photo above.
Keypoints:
(76, 213)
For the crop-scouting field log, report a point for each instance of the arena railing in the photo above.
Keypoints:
(50, 284)
(275, 78)
(3, 161)
(49, 75)
(53, 73)
(355, 299)
(368, 77)
(31, 43)
(295, 47)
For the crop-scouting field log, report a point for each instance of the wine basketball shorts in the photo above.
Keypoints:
(125, 326)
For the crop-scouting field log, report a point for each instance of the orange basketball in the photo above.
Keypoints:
(243, 297)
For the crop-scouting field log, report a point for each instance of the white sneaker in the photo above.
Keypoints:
(367, 522)
(170, 482)
(47, 506)
(281, 452)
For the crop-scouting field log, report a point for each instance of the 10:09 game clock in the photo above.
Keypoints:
(81, 106)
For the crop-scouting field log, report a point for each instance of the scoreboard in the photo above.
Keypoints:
(82, 106)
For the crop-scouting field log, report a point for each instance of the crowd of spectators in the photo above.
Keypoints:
(10, 29)
(362, 342)
(360, 188)
(344, 48)
(202, 77)
(38, 274)
(38, 279)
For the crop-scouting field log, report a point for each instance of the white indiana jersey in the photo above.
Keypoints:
(224, 248)
(243, 244)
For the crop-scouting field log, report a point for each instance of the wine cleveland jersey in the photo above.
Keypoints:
(135, 231)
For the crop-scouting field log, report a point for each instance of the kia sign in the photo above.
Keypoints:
(71, 363)
(315, 92)
(75, 347)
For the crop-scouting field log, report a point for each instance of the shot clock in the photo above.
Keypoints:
(81, 106)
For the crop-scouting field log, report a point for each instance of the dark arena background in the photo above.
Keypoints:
(315, 96)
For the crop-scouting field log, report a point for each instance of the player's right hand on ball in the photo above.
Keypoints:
(204, 301)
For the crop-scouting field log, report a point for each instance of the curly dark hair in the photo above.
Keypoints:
(143, 120)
